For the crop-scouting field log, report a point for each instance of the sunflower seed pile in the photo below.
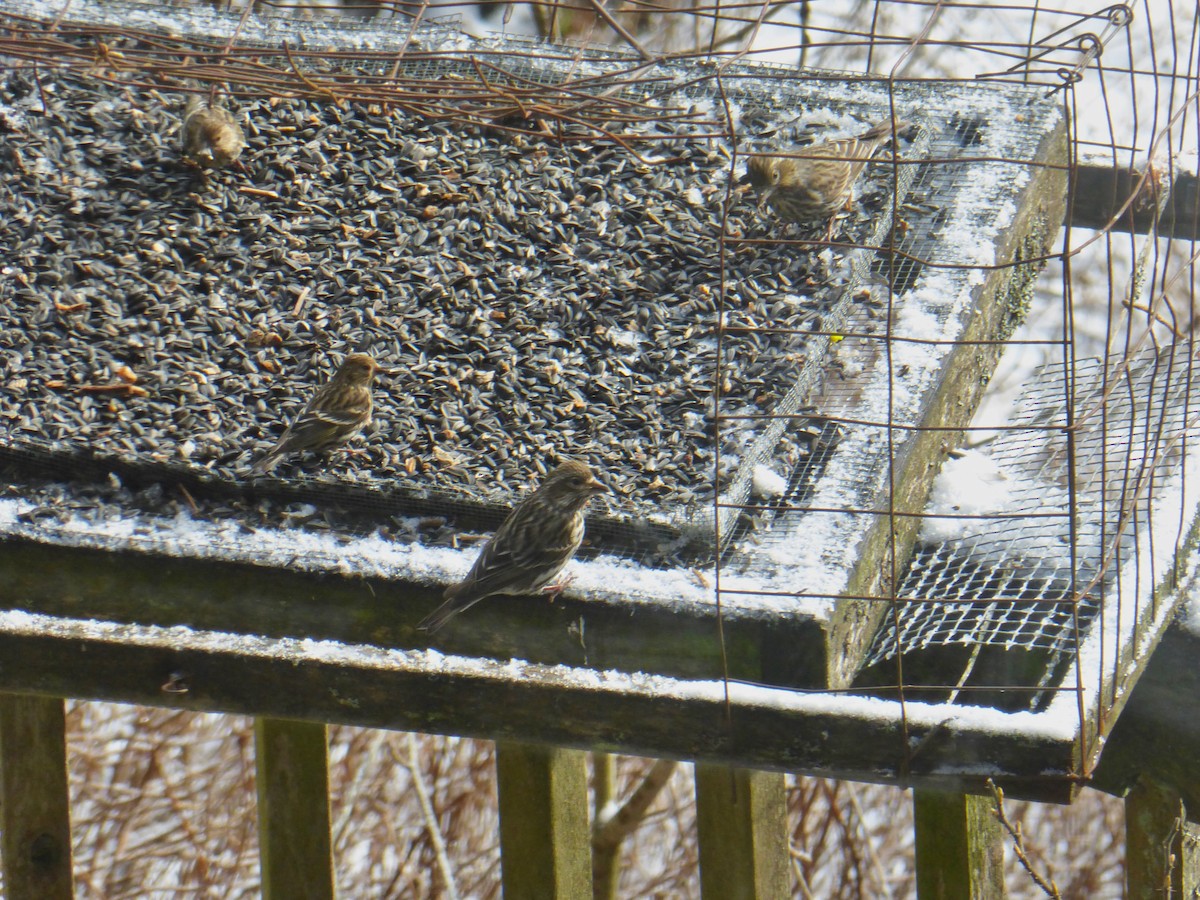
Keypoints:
(529, 300)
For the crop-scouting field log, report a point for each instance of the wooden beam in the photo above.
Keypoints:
(377, 687)
(35, 808)
(959, 847)
(741, 822)
(277, 602)
(1162, 848)
(1158, 733)
(293, 810)
(545, 841)
(1100, 190)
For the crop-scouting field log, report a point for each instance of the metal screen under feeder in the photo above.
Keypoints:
(1002, 602)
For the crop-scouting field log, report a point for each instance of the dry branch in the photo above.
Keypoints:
(1044, 882)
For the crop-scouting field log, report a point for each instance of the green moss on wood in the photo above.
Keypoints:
(35, 825)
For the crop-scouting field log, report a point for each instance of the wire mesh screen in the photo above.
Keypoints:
(563, 241)
(1064, 515)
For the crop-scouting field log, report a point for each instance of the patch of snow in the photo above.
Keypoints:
(767, 483)
(970, 485)
(1127, 607)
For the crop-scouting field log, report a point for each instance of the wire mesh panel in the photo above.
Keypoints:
(1064, 516)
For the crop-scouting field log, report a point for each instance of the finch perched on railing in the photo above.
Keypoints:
(531, 546)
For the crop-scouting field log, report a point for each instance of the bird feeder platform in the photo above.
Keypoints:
(540, 284)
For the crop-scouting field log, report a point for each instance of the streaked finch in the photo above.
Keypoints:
(338, 411)
(212, 137)
(816, 183)
(531, 546)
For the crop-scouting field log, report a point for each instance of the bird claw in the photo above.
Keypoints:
(553, 590)
(195, 170)
(834, 222)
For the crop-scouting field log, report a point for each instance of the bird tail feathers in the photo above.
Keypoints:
(884, 130)
(444, 613)
(195, 102)
(265, 464)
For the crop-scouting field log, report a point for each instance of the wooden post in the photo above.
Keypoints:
(741, 820)
(1162, 848)
(959, 847)
(293, 810)
(545, 845)
(35, 808)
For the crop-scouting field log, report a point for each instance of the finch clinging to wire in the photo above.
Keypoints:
(816, 182)
(338, 411)
(531, 546)
(212, 137)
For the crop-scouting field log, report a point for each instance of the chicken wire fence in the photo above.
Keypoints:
(545, 238)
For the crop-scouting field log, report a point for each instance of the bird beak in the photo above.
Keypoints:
(745, 179)
(597, 487)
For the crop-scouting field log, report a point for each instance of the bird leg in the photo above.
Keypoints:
(847, 207)
(553, 590)
(352, 452)
(831, 228)
(196, 170)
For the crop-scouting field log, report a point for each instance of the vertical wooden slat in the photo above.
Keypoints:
(741, 820)
(545, 844)
(35, 808)
(293, 810)
(959, 847)
(1162, 849)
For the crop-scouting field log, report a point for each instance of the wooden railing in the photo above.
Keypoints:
(545, 836)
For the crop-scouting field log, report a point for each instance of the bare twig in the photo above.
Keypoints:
(876, 866)
(620, 29)
(614, 828)
(413, 764)
(309, 83)
(967, 670)
(1157, 316)
(412, 30)
(1044, 882)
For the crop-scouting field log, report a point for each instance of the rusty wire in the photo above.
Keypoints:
(486, 92)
